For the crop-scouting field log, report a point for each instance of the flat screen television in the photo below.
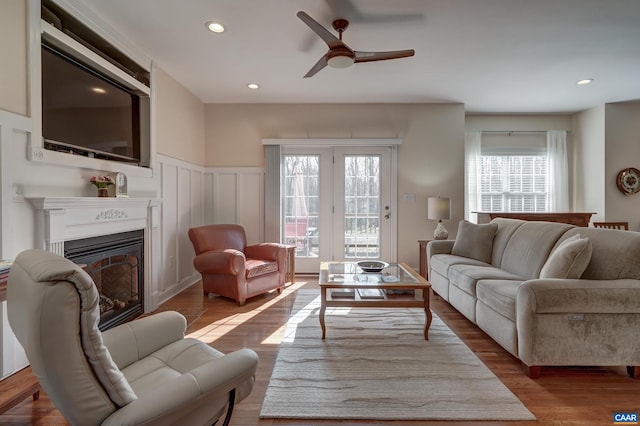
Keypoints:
(85, 113)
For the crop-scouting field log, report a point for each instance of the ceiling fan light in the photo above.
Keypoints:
(340, 62)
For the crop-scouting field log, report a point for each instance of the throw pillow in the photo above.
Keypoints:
(475, 241)
(569, 259)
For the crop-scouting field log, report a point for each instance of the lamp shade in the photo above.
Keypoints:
(438, 208)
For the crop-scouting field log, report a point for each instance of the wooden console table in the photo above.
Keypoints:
(572, 218)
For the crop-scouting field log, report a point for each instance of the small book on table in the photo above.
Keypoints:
(343, 292)
(370, 293)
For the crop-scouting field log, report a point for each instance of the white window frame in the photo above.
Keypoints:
(507, 194)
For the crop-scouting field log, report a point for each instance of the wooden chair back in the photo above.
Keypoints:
(612, 225)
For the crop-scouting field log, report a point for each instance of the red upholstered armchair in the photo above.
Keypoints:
(232, 269)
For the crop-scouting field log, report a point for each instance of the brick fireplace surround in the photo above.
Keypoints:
(73, 218)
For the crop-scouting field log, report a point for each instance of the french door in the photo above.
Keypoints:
(337, 204)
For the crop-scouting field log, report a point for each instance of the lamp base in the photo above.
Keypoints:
(440, 233)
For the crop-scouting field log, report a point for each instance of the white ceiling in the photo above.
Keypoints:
(495, 56)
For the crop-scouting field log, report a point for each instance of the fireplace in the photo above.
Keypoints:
(116, 265)
(63, 224)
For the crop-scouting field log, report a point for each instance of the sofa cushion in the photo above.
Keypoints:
(530, 246)
(475, 241)
(569, 259)
(615, 253)
(442, 262)
(506, 228)
(499, 295)
(255, 267)
(465, 277)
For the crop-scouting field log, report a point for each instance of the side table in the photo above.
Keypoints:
(18, 386)
(424, 262)
(290, 267)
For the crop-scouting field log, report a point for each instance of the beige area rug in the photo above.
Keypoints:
(376, 365)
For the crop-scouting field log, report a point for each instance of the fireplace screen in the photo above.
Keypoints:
(115, 263)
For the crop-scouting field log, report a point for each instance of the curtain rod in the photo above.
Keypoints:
(511, 132)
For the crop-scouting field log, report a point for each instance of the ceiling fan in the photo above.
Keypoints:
(340, 55)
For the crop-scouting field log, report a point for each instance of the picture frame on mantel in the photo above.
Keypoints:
(120, 187)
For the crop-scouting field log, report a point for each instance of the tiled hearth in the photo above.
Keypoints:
(74, 218)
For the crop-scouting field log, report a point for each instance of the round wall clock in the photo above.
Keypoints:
(628, 181)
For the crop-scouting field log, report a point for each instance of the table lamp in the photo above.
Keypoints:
(438, 208)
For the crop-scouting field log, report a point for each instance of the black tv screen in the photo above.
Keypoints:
(84, 113)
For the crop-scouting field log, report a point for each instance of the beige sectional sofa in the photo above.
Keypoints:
(551, 294)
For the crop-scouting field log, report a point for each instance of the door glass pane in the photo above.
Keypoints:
(361, 206)
(301, 209)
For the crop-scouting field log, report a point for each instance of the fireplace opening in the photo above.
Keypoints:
(116, 265)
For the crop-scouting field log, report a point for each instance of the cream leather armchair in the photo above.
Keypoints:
(144, 372)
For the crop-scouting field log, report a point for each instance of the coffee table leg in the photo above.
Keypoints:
(427, 311)
(323, 307)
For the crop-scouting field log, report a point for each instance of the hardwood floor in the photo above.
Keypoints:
(562, 396)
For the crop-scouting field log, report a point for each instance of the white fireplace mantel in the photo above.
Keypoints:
(71, 218)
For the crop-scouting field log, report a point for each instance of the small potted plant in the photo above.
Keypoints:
(102, 182)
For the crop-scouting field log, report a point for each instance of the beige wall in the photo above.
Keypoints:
(179, 120)
(588, 161)
(607, 142)
(430, 159)
(622, 127)
(525, 122)
(13, 56)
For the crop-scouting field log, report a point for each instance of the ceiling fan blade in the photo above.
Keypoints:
(383, 56)
(331, 40)
(322, 62)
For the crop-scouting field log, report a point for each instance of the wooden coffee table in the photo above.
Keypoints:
(410, 290)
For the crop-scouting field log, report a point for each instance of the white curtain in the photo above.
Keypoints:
(557, 171)
(473, 153)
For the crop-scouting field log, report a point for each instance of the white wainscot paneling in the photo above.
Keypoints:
(169, 220)
(15, 232)
(238, 197)
(186, 204)
(225, 200)
(182, 208)
(195, 196)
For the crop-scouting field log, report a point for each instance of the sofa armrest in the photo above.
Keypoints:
(546, 296)
(439, 247)
(129, 342)
(229, 261)
(175, 397)
(578, 322)
(266, 251)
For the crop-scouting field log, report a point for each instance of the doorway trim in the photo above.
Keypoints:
(334, 142)
(272, 178)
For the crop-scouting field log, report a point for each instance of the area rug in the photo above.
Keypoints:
(376, 365)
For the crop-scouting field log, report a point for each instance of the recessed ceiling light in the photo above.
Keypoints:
(215, 27)
(253, 86)
(585, 81)
(98, 90)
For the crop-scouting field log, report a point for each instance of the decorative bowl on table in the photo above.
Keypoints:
(372, 265)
